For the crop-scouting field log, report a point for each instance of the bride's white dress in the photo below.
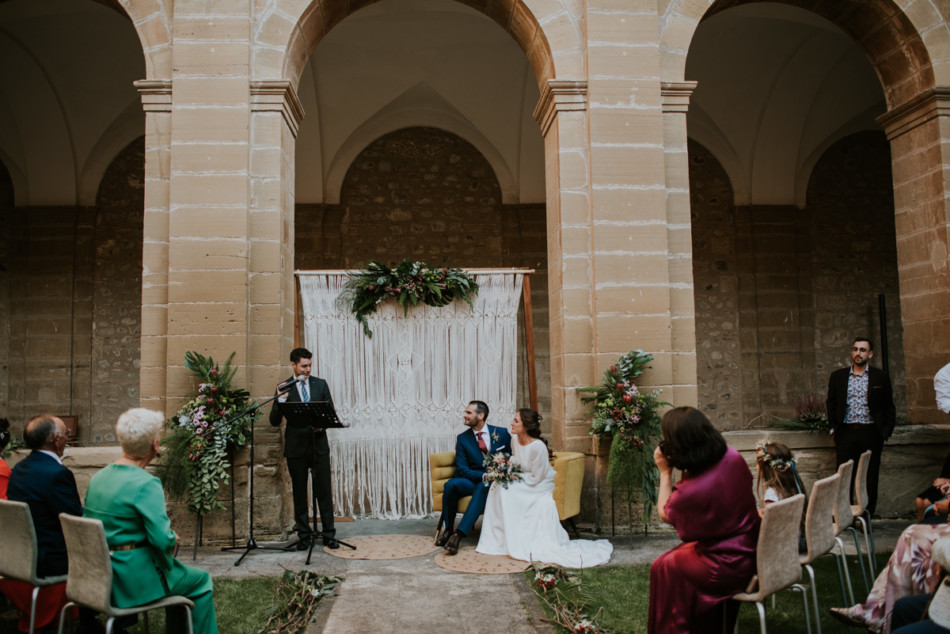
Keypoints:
(522, 522)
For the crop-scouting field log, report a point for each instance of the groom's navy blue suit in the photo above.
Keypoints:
(468, 476)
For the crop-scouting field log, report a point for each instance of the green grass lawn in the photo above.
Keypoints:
(624, 594)
(240, 605)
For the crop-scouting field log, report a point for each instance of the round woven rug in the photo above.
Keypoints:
(467, 560)
(379, 547)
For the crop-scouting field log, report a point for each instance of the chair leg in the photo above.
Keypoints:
(866, 530)
(62, 616)
(109, 623)
(36, 593)
(577, 533)
(847, 575)
(857, 549)
(871, 548)
(146, 621)
(800, 588)
(190, 623)
(761, 609)
(814, 595)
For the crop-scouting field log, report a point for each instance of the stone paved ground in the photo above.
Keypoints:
(416, 595)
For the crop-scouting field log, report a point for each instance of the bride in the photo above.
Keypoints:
(522, 521)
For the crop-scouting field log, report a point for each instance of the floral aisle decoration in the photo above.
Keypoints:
(631, 419)
(566, 600)
(408, 283)
(499, 468)
(195, 461)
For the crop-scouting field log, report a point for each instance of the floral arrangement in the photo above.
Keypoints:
(205, 428)
(409, 283)
(500, 469)
(632, 419)
(295, 600)
(562, 593)
(810, 415)
(777, 464)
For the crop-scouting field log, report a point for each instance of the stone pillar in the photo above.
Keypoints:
(157, 103)
(209, 229)
(562, 115)
(634, 271)
(919, 132)
(675, 96)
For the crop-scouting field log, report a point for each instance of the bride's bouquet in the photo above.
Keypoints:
(500, 469)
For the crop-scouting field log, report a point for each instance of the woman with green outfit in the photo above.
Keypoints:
(130, 503)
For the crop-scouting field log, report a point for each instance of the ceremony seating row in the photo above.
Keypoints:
(830, 513)
(89, 580)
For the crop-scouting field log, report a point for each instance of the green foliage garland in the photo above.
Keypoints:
(195, 460)
(632, 419)
(296, 599)
(409, 283)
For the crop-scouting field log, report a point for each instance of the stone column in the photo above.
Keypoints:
(675, 96)
(157, 103)
(562, 115)
(209, 228)
(919, 132)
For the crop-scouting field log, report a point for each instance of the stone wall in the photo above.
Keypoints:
(426, 194)
(781, 292)
(72, 308)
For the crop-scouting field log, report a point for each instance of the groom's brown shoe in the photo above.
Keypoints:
(452, 545)
(442, 538)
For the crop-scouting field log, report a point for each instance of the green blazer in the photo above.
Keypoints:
(130, 503)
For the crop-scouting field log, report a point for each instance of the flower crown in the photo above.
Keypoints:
(762, 455)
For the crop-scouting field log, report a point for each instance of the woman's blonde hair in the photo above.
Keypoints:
(136, 429)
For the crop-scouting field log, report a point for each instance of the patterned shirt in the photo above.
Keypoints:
(857, 412)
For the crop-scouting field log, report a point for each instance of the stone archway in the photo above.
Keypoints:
(899, 46)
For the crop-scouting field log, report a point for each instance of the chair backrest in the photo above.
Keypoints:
(861, 483)
(777, 564)
(89, 580)
(568, 482)
(843, 515)
(819, 518)
(441, 470)
(939, 610)
(18, 552)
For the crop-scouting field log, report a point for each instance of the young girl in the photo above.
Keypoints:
(775, 467)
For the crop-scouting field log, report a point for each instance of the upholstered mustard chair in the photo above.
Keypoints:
(568, 482)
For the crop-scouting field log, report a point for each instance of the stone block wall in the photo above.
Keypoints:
(426, 194)
(71, 303)
(781, 292)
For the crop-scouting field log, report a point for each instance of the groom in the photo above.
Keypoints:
(471, 447)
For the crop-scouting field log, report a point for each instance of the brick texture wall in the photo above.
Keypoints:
(426, 194)
(781, 292)
(73, 302)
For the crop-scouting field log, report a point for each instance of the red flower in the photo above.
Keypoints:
(620, 387)
(627, 398)
(613, 368)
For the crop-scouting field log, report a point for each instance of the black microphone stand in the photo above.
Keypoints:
(251, 542)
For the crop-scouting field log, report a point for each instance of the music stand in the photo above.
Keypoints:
(315, 416)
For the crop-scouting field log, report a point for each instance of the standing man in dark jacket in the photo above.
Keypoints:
(307, 450)
(861, 412)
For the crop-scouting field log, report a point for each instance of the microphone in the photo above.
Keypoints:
(286, 387)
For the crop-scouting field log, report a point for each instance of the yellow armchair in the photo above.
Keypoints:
(568, 482)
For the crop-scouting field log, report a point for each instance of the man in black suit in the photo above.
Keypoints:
(48, 488)
(307, 451)
(861, 412)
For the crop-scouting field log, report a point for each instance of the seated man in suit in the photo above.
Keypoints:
(48, 488)
(471, 447)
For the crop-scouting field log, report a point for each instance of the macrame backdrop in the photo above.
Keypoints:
(403, 391)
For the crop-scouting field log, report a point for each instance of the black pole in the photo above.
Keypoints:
(251, 542)
(882, 315)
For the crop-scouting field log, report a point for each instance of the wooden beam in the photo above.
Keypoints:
(529, 340)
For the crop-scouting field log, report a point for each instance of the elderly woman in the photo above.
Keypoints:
(713, 511)
(130, 503)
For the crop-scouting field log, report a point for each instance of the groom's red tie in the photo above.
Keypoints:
(481, 442)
